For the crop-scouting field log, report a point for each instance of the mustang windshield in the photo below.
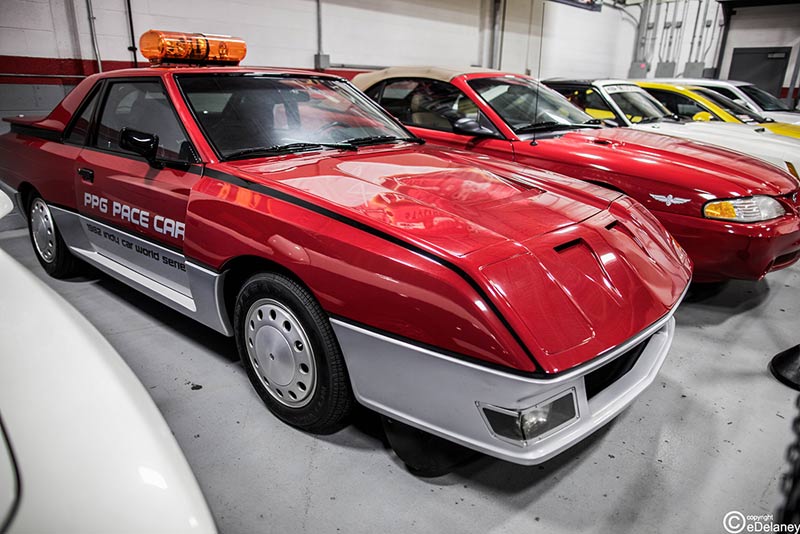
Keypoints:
(528, 106)
(637, 105)
(254, 115)
(765, 101)
(740, 112)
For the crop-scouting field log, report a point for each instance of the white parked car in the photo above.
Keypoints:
(746, 94)
(83, 447)
(627, 104)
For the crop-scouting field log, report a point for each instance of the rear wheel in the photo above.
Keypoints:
(291, 355)
(49, 247)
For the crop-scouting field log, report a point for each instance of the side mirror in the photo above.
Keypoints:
(142, 143)
(704, 116)
(467, 126)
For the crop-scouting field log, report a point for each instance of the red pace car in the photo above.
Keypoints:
(510, 311)
(736, 216)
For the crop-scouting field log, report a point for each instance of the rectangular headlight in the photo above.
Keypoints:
(532, 423)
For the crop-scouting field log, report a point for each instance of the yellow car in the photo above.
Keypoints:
(702, 104)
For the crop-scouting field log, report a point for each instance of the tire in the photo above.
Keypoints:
(48, 245)
(291, 355)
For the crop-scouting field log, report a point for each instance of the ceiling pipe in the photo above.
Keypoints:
(694, 29)
(132, 47)
(714, 27)
(682, 32)
(672, 31)
(703, 30)
(93, 33)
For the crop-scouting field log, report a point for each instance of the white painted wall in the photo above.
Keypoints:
(763, 27)
(278, 32)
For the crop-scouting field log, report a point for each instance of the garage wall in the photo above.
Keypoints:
(576, 42)
(764, 27)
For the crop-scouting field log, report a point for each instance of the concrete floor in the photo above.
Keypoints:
(706, 438)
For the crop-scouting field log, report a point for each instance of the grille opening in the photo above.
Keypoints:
(604, 376)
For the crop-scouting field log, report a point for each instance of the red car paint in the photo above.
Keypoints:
(480, 258)
(642, 163)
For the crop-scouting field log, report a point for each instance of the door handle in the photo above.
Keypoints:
(87, 175)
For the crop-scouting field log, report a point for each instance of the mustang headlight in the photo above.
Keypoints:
(750, 209)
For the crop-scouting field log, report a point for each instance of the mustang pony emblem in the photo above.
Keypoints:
(669, 200)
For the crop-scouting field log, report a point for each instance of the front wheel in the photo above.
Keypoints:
(49, 247)
(291, 355)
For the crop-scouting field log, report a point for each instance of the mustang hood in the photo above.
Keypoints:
(753, 141)
(573, 269)
(679, 163)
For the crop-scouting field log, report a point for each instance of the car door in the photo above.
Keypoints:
(430, 108)
(133, 210)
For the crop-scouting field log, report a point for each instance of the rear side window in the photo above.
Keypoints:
(142, 106)
(79, 130)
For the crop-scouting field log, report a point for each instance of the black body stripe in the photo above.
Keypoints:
(280, 195)
(34, 131)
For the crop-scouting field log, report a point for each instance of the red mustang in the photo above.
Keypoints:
(510, 311)
(736, 216)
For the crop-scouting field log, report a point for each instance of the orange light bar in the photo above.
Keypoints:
(195, 48)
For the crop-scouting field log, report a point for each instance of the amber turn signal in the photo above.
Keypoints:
(191, 48)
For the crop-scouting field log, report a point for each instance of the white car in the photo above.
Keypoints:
(746, 94)
(627, 104)
(83, 447)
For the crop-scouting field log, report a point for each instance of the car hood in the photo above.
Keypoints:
(754, 141)
(601, 267)
(455, 202)
(702, 169)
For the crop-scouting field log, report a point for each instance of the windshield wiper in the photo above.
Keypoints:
(276, 150)
(646, 120)
(382, 139)
(548, 125)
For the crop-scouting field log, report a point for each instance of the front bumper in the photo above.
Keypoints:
(722, 250)
(444, 395)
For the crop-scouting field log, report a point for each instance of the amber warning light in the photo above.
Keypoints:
(162, 47)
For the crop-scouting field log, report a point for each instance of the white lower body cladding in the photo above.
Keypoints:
(443, 395)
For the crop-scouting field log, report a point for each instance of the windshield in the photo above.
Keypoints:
(526, 105)
(636, 104)
(765, 101)
(737, 110)
(247, 115)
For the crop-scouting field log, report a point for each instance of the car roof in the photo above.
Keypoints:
(172, 69)
(444, 74)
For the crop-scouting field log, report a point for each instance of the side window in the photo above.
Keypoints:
(142, 106)
(80, 128)
(588, 100)
(680, 105)
(374, 92)
(429, 104)
(724, 91)
(666, 98)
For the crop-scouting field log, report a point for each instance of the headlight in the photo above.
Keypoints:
(525, 426)
(750, 209)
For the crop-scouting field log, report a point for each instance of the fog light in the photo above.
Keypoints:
(532, 423)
